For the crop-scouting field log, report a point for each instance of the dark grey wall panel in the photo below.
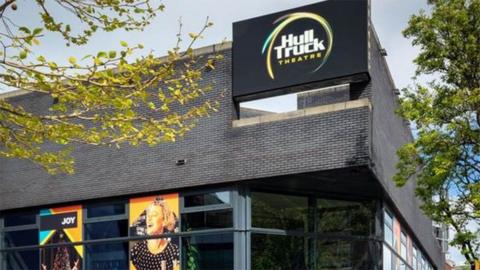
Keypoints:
(388, 134)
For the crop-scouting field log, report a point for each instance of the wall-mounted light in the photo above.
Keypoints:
(181, 162)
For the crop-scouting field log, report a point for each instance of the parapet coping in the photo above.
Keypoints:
(352, 104)
(197, 52)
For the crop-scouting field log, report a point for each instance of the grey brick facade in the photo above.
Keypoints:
(218, 153)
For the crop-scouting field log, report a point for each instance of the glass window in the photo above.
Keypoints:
(212, 252)
(343, 254)
(112, 256)
(387, 258)
(278, 252)
(61, 257)
(104, 209)
(278, 211)
(344, 217)
(18, 219)
(158, 254)
(388, 228)
(207, 220)
(20, 260)
(403, 245)
(414, 258)
(21, 238)
(222, 197)
(107, 229)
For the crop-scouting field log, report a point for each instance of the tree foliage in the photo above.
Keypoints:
(445, 155)
(101, 99)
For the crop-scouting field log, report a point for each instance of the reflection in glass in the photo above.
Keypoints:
(279, 252)
(107, 256)
(387, 258)
(279, 211)
(342, 254)
(18, 219)
(22, 260)
(207, 220)
(344, 217)
(212, 252)
(106, 229)
(21, 238)
(222, 197)
(101, 210)
(61, 257)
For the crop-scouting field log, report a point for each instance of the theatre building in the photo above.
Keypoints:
(294, 171)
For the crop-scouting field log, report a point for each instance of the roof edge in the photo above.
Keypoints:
(209, 49)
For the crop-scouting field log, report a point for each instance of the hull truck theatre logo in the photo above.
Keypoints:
(313, 45)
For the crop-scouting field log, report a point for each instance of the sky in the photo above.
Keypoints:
(389, 17)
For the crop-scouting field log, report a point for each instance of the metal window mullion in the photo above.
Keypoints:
(3, 262)
(397, 255)
(20, 228)
(105, 218)
(237, 198)
(84, 223)
(206, 208)
(121, 239)
(248, 227)
(379, 230)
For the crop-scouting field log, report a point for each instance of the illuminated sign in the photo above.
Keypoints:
(323, 41)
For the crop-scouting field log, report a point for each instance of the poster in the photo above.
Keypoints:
(150, 216)
(61, 225)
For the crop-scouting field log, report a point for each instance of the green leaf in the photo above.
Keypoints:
(101, 55)
(72, 60)
(23, 55)
(37, 31)
(112, 54)
(123, 43)
(24, 29)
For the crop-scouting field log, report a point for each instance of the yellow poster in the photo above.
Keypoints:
(151, 216)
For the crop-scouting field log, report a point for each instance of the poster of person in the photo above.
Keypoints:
(61, 225)
(150, 216)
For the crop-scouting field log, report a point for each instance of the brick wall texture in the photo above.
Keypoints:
(218, 153)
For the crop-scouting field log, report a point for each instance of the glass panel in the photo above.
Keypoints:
(22, 260)
(344, 217)
(279, 252)
(278, 211)
(208, 252)
(61, 257)
(222, 197)
(340, 254)
(17, 219)
(414, 258)
(207, 220)
(155, 254)
(21, 238)
(388, 235)
(101, 210)
(387, 258)
(388, 219)
(107, 229)
(107, 256)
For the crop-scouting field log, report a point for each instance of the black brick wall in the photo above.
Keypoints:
(215, 153)
(388, 134)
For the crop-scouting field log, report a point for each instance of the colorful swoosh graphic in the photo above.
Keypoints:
(286, 20)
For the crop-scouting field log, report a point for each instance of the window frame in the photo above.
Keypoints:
(203, 208)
